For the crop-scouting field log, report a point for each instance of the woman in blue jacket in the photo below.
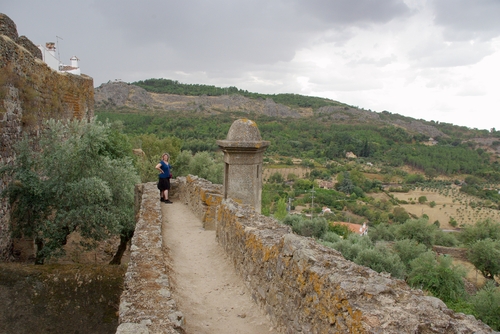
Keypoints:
(164, 177)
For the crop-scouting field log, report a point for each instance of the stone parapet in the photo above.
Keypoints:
(306, 287)
(146, 304)
(202, 196)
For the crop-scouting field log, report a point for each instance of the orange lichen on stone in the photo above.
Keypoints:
(213, 199)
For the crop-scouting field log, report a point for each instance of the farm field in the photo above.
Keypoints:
(450, 203)
(299, 171)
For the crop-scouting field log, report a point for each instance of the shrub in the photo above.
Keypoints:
(331, 237)
(381, 232)
(437, 275)
(446, 239)
(487, 305)
(418, 230)
(381, 259)
(408, 250)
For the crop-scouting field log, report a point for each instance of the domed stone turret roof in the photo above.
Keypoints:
(243, 134)
(244, 130)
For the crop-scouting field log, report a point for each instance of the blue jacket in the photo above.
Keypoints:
(166, 170)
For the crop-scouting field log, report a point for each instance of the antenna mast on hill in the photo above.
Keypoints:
(57, 42)
(312, 202)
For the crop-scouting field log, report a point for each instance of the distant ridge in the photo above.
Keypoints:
(114, 95)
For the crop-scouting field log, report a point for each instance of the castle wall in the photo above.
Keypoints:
(31, 92)
(303, 286)
(146, 305)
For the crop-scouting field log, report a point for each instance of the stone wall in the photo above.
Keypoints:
(303, 286)
(31, 92)
(146, 305)
(203, 200)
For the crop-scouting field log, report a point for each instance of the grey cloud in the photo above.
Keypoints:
(360, 12)
(438, 54)
(240, 32)
(468, 19)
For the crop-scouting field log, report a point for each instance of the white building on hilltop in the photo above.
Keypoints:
(74, 68)
(50, 58)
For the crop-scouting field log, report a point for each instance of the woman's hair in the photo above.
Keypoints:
(165, 154)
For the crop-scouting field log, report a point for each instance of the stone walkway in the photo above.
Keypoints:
(206, 287)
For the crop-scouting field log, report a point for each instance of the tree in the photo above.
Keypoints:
(339, 229)
(418, 230)
(381, 259)
(400, 215)
(315, 227)
(487, 305)
(485, 256)
(345, 183)
(422, 199)
(408, 250)
(280, 212)
(437, 275)
(382, 232)
(483, 229)
(182, 163)
(205, 166)
(276, 177)
(80, 179)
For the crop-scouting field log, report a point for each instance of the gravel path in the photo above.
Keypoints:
(213, 298)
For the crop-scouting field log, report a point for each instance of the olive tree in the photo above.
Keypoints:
(418, 230)
(76, 176)
(437, 275)
(485, 256)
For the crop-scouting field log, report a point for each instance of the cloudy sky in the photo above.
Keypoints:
(428, 59)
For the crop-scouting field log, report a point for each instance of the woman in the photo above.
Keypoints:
(164, 177)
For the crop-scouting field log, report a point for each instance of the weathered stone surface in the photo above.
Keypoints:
(130, 328)
(203, 199)
(243, 155)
